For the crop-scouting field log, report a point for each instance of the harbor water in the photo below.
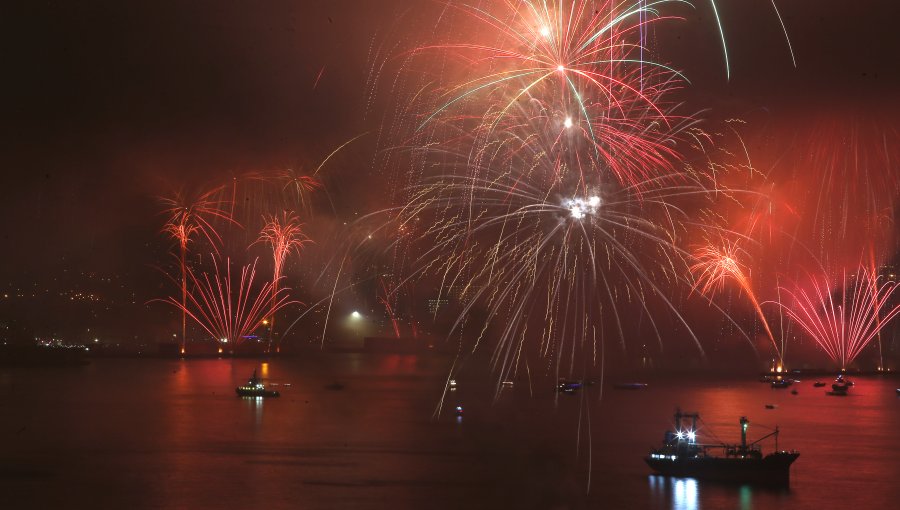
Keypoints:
(365, 431)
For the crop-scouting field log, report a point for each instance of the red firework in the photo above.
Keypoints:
(300, 184)
(187, 217)
(844, 320)
(284, 235)
(230, 310)
(574, 72)
(385, 298)
(715, 266)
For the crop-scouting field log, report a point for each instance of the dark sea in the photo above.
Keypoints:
(150, 433)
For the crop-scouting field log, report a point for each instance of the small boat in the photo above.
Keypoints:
(841, 385)
(452, 384)
(507, 384)
(818, 384)
(568, 387)
(683, 456)
(771, 406)
(898, 391)
(255, 388)
(781, 384)
(794, 392)
(630, 386)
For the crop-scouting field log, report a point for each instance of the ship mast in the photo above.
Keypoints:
(680, 419)
(744, 423)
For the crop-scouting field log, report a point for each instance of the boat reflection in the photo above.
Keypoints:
(255, 406)
(685, 494)
(746, 497)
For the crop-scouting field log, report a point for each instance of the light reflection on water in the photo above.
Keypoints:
(685, 494)
(674, 493)
(746, 497)
(255, 404)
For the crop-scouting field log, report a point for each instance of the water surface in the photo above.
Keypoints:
(172, 434)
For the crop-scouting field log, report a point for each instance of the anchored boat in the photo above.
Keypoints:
(841, 386)
(568, 387)
(782, 383)
(683, 456)
(255, 388)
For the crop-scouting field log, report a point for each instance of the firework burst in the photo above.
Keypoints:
(230, 309)
(549, 185)
(576, 72)
(715, 265)
(844, 320)
(546, 254)
(301, 186)
(189, 217)
(284, 235)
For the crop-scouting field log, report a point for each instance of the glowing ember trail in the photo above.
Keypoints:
(301, 185)
(385, 299)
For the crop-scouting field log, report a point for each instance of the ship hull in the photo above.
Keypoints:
(773, 469)
(242, 392)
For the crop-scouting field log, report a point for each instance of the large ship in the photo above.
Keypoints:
(683, 456)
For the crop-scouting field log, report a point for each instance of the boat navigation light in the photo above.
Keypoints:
(679, 435)
(691, 436)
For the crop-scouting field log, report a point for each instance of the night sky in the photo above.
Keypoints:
(108, 105)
